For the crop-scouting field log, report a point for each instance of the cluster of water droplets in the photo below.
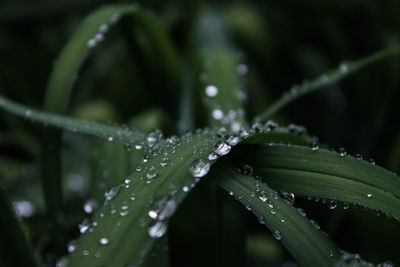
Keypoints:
(103, 29)
(231, 118)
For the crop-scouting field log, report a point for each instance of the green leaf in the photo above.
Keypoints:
(308, 245)
(112, 133)
(59, 88)
(327, 174)
(15, 249)
(344, 70)
(124, 219)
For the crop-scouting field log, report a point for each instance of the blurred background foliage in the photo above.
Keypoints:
(282, 42)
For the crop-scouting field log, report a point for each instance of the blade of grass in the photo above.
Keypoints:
(327, 174)
(58, 93)
(17, 252)
(309, 246)
(128, 240)
(111, 133)
(344, 70)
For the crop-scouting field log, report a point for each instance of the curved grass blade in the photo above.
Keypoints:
(111, 133)
(220, 74)
(17, 252)
(123, 230)
(58, 93)
(309, 246)
(88, 35)
(327, 174)
(344, 70)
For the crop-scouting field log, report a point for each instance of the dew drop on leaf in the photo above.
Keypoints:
(157, 230)
(199, 168)
(111, 193)
(233, 140)
(222, 148)
(89, 206)
(104, 241)
(211, 91)
(277, 234)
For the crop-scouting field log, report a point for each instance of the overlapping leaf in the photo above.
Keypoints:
(327, 174)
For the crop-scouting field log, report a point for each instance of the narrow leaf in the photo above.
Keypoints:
(344, 70)
(308, 245)
(15, 249)
(112, 133)
(327, 174)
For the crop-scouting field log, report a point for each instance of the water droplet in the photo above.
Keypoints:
(91, 43)
(71, 246)
(115, 18)
(99, 37)
(211, 91)
(85, 252)
(168, 210)
(277, 234)
(103, 28)
(301, 211)
(314, 147)
(185, 189)
(342, 152)
(247, 170)
(288, 197)
(217, 114)
(151, 175)
(346, 205)
(157, 230)
(111, 193)
(89, 206)
(222, 148)
(332, 204)
(199, 168)
(233, 140)
(242, 69)
(104, 241)
(344, 67)
(23, 208)
(212, 156)
(369, 195)
(110, 139)
(84, 226)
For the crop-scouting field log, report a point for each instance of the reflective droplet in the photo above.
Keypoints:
(222, 148)
(199, 168)
(157, 230)
(103, 28)
(277, 234)
(242, 69)
(332, 204)
(84, 226)
(91, 43)
(314, 146)
(104, 241)
(212, 156)
(247, 170)
(288, 197)
(185, 189)
(71, 246)
(111, 193)
(89, 206)
(217, 114)
(369, 195)
(233, 140)
(211, 91)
